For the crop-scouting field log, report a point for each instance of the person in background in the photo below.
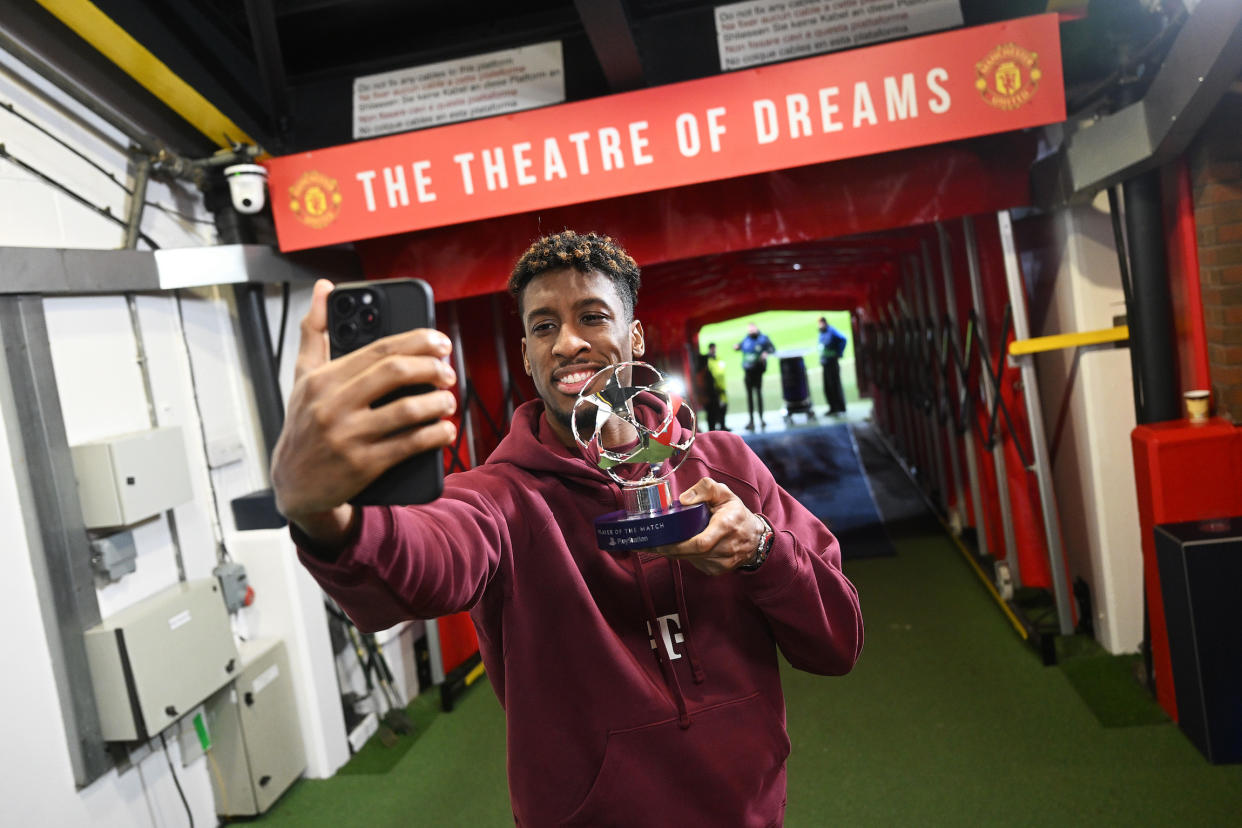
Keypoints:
(755, 348)
(831, 346)
(701, 388)
(717, 398)
(638, 689)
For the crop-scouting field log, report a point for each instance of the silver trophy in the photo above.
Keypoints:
(641, 431)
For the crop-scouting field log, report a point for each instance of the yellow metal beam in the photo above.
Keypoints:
(116, 44)
(1038, 344)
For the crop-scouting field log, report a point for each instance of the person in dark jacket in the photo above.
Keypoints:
(755, 347)
(831, 347)
(639, 688)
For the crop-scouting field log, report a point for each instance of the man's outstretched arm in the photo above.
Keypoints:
(382, 564)
(333, 443)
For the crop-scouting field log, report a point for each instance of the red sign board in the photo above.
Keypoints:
(926, 90)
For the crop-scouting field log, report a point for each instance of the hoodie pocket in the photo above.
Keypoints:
(726, 769)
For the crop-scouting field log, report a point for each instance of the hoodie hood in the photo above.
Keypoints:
(531, 444)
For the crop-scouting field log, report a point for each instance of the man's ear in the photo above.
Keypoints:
(638, 342)
(525, 361)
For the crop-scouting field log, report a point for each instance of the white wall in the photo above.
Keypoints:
(35, 214)
(100, 382)
(1093, 471)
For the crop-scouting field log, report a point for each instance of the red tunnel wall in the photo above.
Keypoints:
(899, 414)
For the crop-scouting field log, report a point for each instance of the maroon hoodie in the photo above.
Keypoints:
(637, 691)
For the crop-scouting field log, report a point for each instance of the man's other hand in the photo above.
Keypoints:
(333, 443)
(732, 534)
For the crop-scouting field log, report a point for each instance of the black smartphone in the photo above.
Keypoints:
(360, 313)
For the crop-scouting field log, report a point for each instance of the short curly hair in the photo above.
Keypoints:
(583, 252)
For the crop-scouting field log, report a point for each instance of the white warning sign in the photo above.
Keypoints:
(459, 90)
(766, 31)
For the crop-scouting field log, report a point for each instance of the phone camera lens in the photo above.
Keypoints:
(345, 304)
(346, 332)
(369, 317)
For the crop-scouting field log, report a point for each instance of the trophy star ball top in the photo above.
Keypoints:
(652, 435)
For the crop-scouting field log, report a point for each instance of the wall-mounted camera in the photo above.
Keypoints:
(247, 186)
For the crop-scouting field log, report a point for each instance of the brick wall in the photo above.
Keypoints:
(1216, 176)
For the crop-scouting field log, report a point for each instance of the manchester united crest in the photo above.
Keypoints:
(315, 200)
(1008, 77)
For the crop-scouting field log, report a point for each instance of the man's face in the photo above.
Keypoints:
(823, 325)
(575, 324)
(711, 351)
(752, 329)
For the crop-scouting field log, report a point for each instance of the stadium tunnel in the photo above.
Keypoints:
(966, 265)
(913, 243)
(867, 235)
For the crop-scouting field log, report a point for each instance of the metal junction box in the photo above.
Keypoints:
(255, 732)
(155, 660)
(131, 477)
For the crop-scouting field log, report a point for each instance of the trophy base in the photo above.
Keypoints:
(622, 530)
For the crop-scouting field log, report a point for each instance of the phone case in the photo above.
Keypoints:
(360, 313)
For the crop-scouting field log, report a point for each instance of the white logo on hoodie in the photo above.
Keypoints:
(668, 635)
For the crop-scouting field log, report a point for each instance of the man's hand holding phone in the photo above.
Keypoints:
(334, 442)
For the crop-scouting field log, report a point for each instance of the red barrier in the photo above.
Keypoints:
(1182, 472)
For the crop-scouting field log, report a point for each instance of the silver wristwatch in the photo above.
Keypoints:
(762, 550)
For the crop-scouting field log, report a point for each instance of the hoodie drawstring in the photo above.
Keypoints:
(653, 623)
(696, 668)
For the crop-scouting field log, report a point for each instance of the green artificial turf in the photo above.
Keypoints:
(1108, 684)
(452, 774)
(948, 719)
(378, 757)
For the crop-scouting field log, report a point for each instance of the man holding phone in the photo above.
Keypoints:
(639, 689)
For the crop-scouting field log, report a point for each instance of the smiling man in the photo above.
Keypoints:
(577, 322)
(639, 689)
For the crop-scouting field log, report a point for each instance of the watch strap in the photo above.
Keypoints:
(763, 548)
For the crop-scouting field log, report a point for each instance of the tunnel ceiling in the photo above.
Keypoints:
(836, 274)
(283, 69)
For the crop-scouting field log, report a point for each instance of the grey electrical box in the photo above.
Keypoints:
(256, 738)
(233, 583)
(131, 477)
(155, 660)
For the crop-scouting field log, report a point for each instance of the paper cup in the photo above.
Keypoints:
(1197, 405)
